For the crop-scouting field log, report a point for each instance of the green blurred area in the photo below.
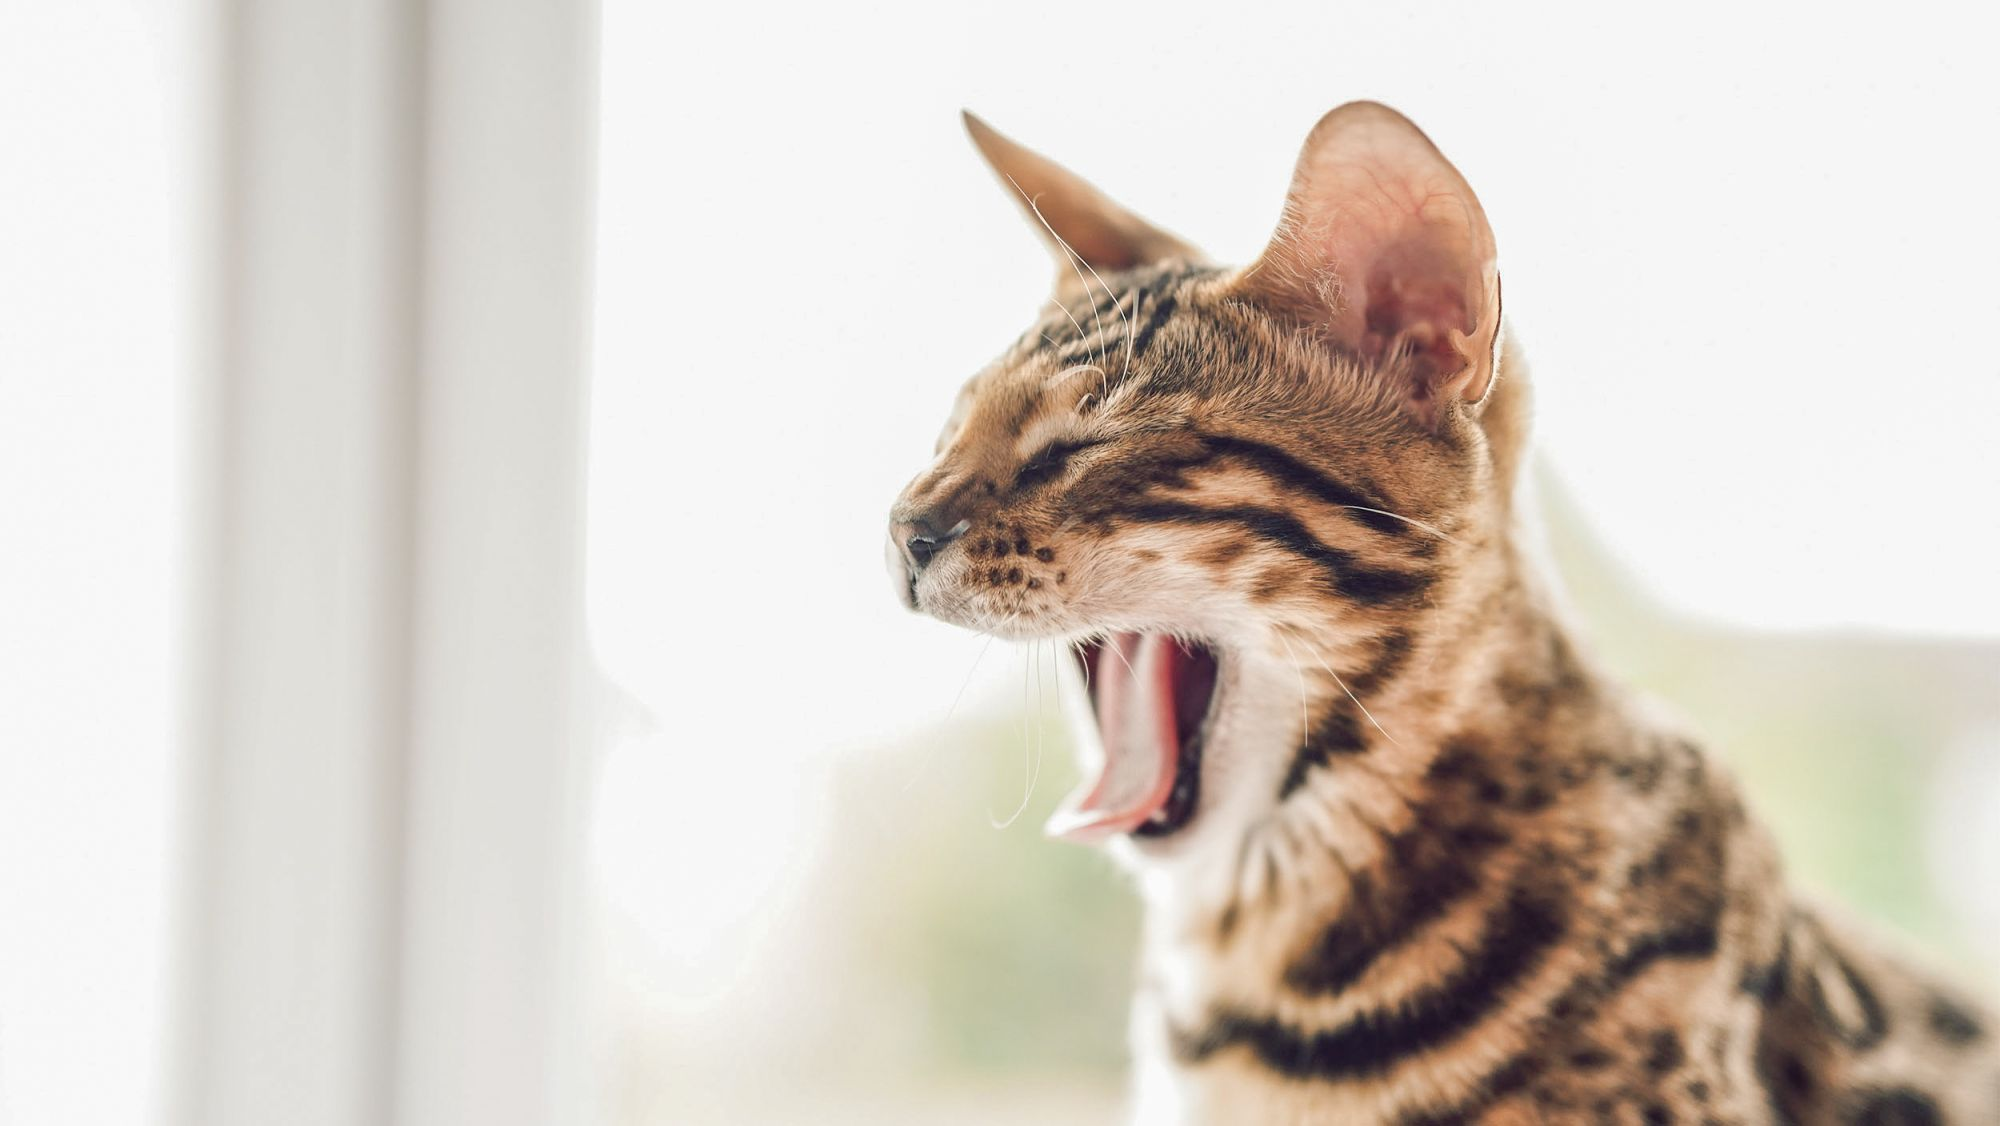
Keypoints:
(1017, 950)
(1835, 738)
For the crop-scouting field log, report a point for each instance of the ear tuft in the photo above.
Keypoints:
(1385, 251)
(1072, 216)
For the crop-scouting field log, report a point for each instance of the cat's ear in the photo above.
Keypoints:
(1384, 250)
(1069, 213)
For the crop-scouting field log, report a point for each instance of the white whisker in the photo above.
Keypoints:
(1417, 524)
(1305, 720)
(1030, 663)
(925, 762)
(1034, 205)
(1111, 644)
(1065, 375)
(1057, 651)
(1343, 687)
(1118, 303)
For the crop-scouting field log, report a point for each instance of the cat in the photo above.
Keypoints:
(1407, 855)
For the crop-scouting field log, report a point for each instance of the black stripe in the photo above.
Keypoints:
(1101, 493)
(1504, 1080)
(1391, 651)
(1780, 1091)
(1767, 982)
(1694, 941)
(1904, 1106)
(1344, 949)
(1110, 306)
(1162, 309)
(1874, 1022)
(1519, 935)
(1366, 585)
(1281, 466)
(1429, 868)
(1338, 733)
(1952, 1022)
(1422, 883)
(1101, 331)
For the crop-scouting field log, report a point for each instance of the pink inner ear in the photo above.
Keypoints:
(1386, 248)
(1415, 296)
(1407, 268)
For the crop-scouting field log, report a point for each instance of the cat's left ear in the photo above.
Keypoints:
(1068, 212)
(1385, 251)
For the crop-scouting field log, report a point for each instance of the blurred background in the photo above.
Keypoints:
(446, 673)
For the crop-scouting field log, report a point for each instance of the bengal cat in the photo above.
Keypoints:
(1407, 855)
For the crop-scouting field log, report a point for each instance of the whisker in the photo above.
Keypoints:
(1034, 205)
(924, 763)
(1041, 724)
(1343, 686)
(1118, 303)
(1112, 645)
(1417, 524)
(1056, 657)
(1065, 375)
(1305, 720)
(1028, 664)
(1081, 335)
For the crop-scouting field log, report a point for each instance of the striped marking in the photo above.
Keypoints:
(1337, 733)
(1431, 869)
(1519, 935)
(1117, 323)
(1345, 576)
(1285, 469)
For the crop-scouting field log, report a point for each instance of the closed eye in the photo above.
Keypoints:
(1049, 462)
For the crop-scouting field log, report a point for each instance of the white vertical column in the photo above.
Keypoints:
(305, 388)
(386, 623)
(495, 731)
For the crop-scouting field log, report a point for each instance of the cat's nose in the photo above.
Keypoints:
(921, 537)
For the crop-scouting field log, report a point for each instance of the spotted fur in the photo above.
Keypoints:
(1442, 869)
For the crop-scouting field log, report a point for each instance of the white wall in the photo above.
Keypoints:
(91, 490)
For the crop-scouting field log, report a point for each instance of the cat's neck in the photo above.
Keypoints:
(1486, 676)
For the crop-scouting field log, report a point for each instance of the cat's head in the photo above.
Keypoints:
(1212, 483)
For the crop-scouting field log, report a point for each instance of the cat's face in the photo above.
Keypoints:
(1201, 478)
(1115, 468)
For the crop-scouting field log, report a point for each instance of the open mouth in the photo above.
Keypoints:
(1151, 694)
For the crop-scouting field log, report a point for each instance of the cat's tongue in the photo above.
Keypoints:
(1132, 684)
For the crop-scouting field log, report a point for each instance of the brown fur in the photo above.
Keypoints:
(1443, 869)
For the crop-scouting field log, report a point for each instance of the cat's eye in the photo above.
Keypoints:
(1049, 462)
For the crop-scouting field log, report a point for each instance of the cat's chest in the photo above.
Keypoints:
(1485, 941)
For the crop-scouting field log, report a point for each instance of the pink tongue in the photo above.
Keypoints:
(1135, 721)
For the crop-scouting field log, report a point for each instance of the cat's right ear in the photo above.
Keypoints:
(1083, 229)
